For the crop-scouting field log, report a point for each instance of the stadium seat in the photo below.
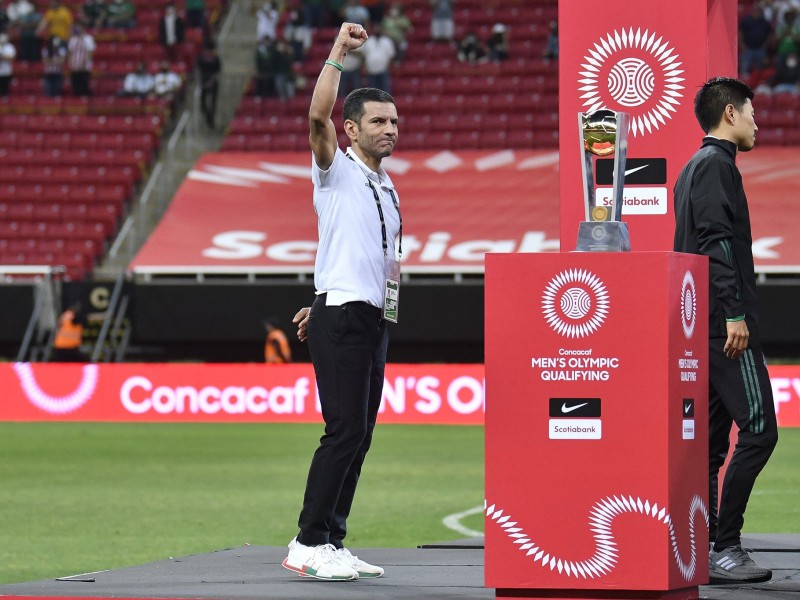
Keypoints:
(234, 142)
(785, 101)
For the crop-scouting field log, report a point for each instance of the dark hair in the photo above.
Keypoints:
(715, 95)
(354, 103)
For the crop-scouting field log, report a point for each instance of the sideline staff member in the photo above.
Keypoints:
(357, 277)
(712, 218)
(69, 336)
(276, 346)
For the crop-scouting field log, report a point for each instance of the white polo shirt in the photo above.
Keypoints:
(350, 262)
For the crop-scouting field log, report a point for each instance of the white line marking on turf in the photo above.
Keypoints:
(82, 574)
(454, 522)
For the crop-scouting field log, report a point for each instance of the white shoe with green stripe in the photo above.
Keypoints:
(319, 562)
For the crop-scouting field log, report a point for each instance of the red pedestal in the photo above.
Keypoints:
(596, 425)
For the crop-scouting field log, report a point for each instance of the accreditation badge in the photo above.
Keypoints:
(391, 297)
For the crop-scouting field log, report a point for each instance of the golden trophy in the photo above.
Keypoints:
(603, 133)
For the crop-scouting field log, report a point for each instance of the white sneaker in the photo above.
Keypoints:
(364, 569)
(320, 562)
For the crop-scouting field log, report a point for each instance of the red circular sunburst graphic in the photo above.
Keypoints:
(637, 72)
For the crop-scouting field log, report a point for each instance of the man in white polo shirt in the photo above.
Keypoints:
(357, 276)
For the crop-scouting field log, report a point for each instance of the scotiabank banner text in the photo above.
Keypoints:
(424, 394)
(252, 212)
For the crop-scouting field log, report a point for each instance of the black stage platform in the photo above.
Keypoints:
(445, 571)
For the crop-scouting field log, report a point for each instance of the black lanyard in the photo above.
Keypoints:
(380, 213)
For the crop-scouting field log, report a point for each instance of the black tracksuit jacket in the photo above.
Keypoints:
(712, 218)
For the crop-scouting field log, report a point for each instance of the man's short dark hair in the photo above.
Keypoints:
(715, 95)
(354, 103)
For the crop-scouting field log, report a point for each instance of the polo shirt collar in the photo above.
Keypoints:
(381, 177)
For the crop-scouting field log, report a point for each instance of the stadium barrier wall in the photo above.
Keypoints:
(450, 394)
(221, 321)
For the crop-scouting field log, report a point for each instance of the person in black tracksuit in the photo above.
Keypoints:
(712, 218)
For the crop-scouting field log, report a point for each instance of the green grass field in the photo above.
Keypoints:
(84, 497)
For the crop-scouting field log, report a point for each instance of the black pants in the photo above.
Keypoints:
(208, 102)
(348, 348)
(80, 83)
(740, 392)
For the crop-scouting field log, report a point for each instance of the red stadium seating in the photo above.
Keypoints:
(69, 166)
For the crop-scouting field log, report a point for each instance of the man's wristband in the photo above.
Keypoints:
(735, 319)
(334, 64)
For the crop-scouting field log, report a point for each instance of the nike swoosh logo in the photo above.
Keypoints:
(568, 409)
(629, 171)
(687, 408)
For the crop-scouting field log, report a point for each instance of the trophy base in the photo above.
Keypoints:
(603, 236)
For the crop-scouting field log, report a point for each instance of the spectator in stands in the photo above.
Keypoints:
(274, 71)
(397, 26)
(4, 20)
(15, 10)
(94, 13)
(787, 33)
(376, 9)
(774, 10)
(378, 53)
(350, 78)
(139, 83)
(754, 35)
(54, 57)
(353, 12)
(276, 346)
(442, 23)
(336, 12)
(196, 14)
(299, 35)
(166, 83)
(471, 50)
(314, 13)
(498, 43)
(551, 50)
(787, 75)
(171, 32)
(121, 14)
(7, 55)
(264, 85)
(69, 336)
(282, 70)
(209, 68)
(80, 50)
(24, 19)
(267, 17)
(57, 21)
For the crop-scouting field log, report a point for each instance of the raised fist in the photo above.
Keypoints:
(351, 36)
